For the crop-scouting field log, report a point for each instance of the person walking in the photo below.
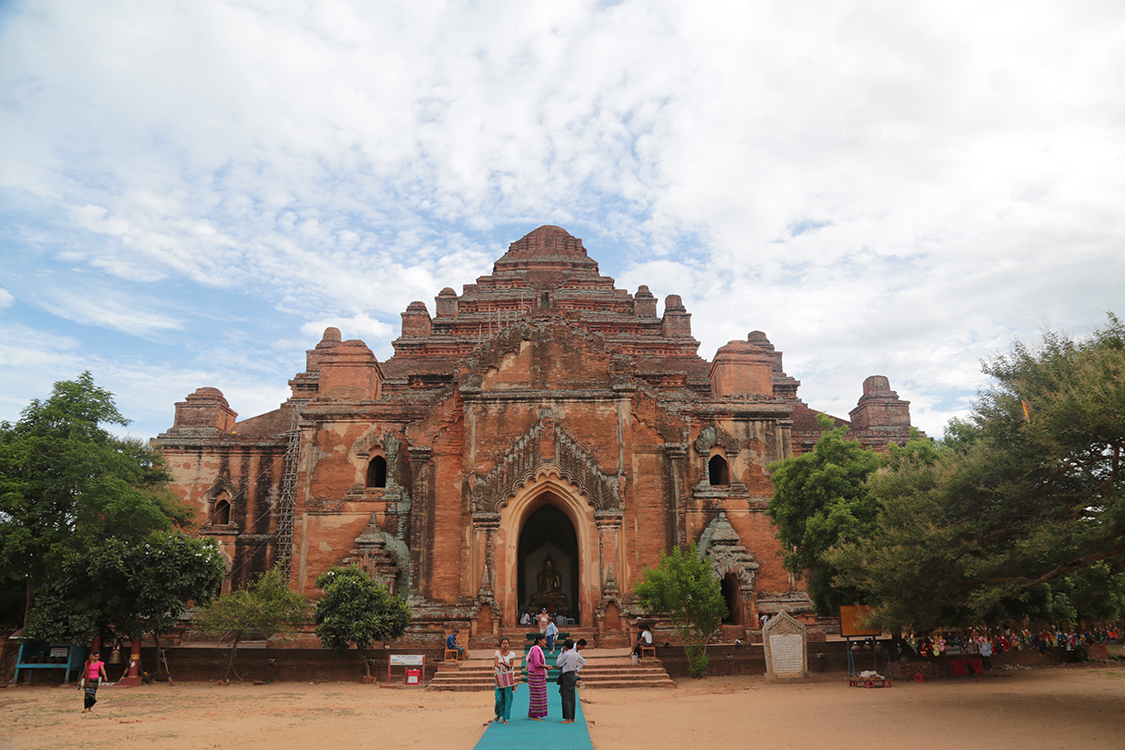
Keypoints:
(552, 633)
(543, 619)
(537, 680)
(505, 681)
(93, 672)
(568, 678)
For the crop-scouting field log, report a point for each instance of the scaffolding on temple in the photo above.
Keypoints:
(288, 501)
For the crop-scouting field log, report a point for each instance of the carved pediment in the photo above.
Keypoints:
(374, 558)
(524, 460)
(721, 543)
(711, 436)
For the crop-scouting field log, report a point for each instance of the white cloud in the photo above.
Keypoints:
(956, 169)
(6, 299)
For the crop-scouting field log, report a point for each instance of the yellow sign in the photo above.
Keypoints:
(853, 619)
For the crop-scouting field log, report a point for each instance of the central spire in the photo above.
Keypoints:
(548, 248)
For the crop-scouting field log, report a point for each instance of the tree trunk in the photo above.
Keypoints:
(29, 599)
(366, 660)
(230, 662)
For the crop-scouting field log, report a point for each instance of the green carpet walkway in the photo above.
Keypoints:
(521, 733)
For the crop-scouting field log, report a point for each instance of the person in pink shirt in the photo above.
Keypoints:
(93, 671)
(537, 680)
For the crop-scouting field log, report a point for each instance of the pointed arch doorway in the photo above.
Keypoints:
(547, 563)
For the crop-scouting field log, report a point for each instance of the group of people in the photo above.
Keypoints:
(644, 640)
(985, 642)
(569, 664)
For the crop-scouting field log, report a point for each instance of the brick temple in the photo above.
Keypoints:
(536, 442)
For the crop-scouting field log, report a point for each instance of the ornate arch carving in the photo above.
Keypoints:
(713, 435)
(525, 460)
(722, 544)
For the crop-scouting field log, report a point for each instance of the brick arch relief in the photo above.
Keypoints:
(721, 543)
(711, 436)
(524, 460)
(222, 490)
(375, 442)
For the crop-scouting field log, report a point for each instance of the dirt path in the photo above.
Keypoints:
(1048, 708)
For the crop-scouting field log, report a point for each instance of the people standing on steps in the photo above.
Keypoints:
(537, 680)
(505, 680)
(543, 619)
(567, 664)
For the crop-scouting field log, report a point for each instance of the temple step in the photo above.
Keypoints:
(605, 668)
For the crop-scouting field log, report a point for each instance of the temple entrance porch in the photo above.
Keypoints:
(547, 560)
(547, 553)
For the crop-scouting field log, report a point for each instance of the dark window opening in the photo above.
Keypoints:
(545, 300)
(718, 473)
(732, 594)
(377, 472)
(221, 516)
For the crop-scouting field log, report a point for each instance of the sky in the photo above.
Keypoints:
(190, 192)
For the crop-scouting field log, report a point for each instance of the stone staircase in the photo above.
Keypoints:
(605, 668)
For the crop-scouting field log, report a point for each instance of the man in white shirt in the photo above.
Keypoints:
(568, 664)
(578, 646)
(644, 639)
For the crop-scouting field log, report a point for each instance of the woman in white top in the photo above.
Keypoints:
(505, 681)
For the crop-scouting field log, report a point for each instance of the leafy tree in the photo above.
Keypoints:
(1027, 518)
(683, 588)
(67, 484)
(820, 499)
(265, 609)
(357, 609)
(125, 590)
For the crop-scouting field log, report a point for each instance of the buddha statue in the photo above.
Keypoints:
(548, 581)
(548, 590)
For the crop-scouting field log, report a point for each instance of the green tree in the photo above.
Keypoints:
(820, 499)
(357, 609)
(683, 588)
(1026, 518)
(124, 590)
(264, 609)
(67, 484)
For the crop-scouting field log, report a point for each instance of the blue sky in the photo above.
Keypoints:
(191, 191)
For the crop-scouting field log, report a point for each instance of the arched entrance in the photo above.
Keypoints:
(732, 594)
(547, 563)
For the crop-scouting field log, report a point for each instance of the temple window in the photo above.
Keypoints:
(718, 473)
(221, 514)
(377, 472)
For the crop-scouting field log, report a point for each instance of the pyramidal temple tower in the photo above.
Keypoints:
(537, 441)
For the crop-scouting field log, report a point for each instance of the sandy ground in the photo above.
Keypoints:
(1055, 708)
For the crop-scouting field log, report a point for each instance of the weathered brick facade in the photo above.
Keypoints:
(540, 413)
